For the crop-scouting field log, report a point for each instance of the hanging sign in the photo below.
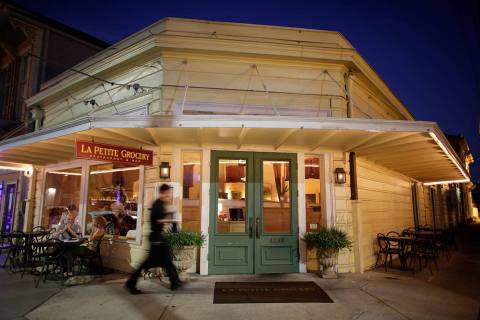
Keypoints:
(101, 151)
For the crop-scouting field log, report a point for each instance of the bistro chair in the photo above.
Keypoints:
(48, 259)
(94, 261)
(4, 242)
(383, 249)
(38, 228)
(422, 249)
(16, 249)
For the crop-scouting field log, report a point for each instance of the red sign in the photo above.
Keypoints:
(101, 151)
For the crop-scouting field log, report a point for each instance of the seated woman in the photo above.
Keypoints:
(89, 247)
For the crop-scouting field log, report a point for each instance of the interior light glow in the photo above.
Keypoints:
(25, 168)
(65, 173)
(115, 170)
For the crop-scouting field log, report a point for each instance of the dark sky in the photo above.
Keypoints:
(428, 52)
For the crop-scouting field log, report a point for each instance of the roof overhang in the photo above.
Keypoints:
(416, 149)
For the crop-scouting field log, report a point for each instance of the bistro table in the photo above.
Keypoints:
(403, 243)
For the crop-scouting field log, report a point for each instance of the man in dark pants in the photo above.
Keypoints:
(160, 253)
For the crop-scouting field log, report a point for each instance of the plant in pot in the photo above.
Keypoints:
(183, 244)
(328, 242)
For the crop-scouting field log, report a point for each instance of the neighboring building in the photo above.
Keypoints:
(254, 121)
(33, 49)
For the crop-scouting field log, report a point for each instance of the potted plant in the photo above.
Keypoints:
(328, 242)
(183, 244)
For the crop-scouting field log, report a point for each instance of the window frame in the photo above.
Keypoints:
(82, 207)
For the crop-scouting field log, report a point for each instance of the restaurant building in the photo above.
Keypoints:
(264, 133)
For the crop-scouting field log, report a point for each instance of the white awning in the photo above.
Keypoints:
(416, 149)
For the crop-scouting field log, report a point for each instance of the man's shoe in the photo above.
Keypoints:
(131, 289)
(176, 285)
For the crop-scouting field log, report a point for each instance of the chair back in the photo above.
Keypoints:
(382, 242)
(38, 228)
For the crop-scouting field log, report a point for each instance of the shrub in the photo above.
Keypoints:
(179, 240)
(327, 238)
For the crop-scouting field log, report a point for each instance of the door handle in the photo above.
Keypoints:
(250, 228)
(257, 225)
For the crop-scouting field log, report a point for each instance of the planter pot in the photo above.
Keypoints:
(183, 260)
(327, 259)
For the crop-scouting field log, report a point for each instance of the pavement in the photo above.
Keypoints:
(451, 293)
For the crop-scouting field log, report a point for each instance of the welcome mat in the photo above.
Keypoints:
(269, 292)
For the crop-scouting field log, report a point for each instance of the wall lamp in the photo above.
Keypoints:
(340, 176)
(164, 170)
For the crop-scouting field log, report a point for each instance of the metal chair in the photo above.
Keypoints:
(422, 249)
(49, 258)
(16, 250)
(95, 257)
(383, 249)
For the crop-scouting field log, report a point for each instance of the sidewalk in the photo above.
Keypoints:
(452, 293)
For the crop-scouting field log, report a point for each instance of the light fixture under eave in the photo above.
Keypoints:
(164, 170)
(340, 176)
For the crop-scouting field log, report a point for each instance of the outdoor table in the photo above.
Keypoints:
(73, 242)
(433, 235)
(403, 243)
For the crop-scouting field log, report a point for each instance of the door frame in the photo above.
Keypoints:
(252, 189)
(4, 202)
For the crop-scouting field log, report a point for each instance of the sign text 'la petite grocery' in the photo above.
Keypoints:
(102, 151)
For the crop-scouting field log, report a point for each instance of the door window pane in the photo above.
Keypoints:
(276, 197)
(62, 189)
(191, 191)
(313, 193)
(232, 181)
(113, 193)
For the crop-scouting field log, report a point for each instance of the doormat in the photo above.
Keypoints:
(269, 292)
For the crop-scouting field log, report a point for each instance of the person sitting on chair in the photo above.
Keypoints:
(69, 230)
(89, 247)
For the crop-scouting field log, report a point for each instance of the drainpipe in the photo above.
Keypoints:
(348, 89)
(37, 115)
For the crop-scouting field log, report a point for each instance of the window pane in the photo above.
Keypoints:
(113, 193)
(191, 191)
(231, 195)
(312, 193)
(62, 189)
(276, 197)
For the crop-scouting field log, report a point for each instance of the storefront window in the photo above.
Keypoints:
(313, 193)
(191, 191)
(62, 190)
(113, 193)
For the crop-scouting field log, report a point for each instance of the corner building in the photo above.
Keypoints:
(253, 123)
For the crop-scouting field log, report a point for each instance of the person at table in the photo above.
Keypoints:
(89, 247)
(69, 230)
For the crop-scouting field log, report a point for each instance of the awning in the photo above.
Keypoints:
(416, 149)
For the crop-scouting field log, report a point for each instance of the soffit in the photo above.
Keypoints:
(418, 150)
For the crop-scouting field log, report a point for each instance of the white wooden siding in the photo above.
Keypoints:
(385, 200)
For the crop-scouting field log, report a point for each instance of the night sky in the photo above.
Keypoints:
(428, 52)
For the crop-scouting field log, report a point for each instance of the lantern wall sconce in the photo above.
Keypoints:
(164, 170)
(340, 176)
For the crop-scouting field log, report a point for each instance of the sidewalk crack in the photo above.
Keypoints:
(386, 304)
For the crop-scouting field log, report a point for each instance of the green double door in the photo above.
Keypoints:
(253, 213)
